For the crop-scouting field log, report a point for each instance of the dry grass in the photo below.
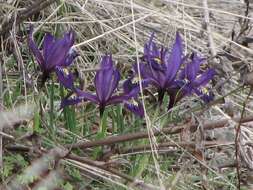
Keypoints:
(121, 27)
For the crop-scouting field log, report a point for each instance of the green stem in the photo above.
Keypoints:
(51, 116)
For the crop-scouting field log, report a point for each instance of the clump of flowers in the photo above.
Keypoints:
(159, 66)
(106, 83)
(192, 80)
(168, 71)
(161, 69)
(55, 52)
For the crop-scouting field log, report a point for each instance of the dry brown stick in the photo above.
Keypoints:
(237, 140)
(140, 135)
(190, 145)
(162, 147)
(1, 128)
(24, 14)
(128, 178)
(208, 29)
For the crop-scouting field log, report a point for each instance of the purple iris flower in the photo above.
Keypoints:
(106, 82)
(55, 52)
(160, 66)
(192, 80)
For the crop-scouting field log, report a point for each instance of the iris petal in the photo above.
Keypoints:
(106, 62)
(137, 109)
(59, 51)
(175, 59)
(35, 50)
(102, 79)
(133, 89)
(106, 80)
(87, 96)
(204, 78)
(117, 99)
(71, 101)
(206, 97)
(193, 68)
(48, 42)
(65, 77)
(72, 54)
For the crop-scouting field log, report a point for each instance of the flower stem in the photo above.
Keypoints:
(160, 96)
(101, 111)
(51, 115)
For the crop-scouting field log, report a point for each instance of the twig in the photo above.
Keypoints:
(163, 147)
(212, 47)
(168, 130)
(24, 14)
(1, 127)
(128, 178)
(208, 29)
(190, 145)
(237, 141)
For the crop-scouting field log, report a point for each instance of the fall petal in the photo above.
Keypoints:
(65, 77)
(71, 101)
(204, 78)
(117, 99)
(87, 96)
(72, 54)
(137, 109)
(206, 97)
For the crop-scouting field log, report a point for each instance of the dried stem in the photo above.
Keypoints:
(208, 29)
(128, 178)
(163, 146)
(168, 130)
(1, 127)
(237, 141)
(24, 14)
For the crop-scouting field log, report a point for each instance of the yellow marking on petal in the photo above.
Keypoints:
(158, 60)
(65, 71)
(186, 80)
(134, 102)
(204, 66)
(135, 80)
(204, 90)
(73, 96)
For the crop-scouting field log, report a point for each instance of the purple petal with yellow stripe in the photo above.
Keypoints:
(135, 107)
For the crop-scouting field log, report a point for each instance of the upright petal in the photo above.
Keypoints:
(72, 54)
(106, 62)
(193, 68)
(65, 78)
(150, 49)
(106, 81)
(60, 50)
(35, 50)
(48, 43)
(175, 60)
(145, 71)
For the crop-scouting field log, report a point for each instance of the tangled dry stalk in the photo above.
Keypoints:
(213, 141)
